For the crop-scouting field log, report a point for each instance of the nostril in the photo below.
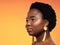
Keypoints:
(28, 24)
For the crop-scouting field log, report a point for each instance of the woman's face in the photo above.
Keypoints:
(34, 22)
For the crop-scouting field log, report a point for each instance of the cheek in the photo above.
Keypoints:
(37, 22)
(38, 25)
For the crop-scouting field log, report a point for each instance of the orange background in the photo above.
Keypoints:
(12, 21)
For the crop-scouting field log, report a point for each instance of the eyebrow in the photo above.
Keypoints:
(30, 17)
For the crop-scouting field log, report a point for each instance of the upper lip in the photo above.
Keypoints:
(29, 29)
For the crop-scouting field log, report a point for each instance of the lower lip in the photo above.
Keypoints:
(30, 32)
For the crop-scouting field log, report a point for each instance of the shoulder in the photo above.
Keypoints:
(50, 42)
(34, 43)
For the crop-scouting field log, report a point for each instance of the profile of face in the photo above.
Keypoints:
(35, 22)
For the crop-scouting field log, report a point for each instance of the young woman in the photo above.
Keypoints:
(40, 21)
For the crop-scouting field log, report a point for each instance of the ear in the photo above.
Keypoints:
(46, 22)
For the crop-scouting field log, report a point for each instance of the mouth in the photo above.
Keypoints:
(29, 30)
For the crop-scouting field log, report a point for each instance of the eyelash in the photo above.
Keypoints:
(31, 20)
(26, 20)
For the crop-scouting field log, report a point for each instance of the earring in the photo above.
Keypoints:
(32, 39)
(45, 28)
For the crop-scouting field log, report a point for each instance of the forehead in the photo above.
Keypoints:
(34, 13)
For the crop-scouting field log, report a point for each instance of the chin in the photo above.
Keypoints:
(31, 35)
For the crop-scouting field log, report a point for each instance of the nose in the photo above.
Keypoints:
(28, 23)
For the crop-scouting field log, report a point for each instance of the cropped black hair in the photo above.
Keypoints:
(47, 11)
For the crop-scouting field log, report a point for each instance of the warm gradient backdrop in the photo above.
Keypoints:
(12, 21)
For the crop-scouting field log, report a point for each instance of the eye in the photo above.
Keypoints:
(33, 19)
(26, 20)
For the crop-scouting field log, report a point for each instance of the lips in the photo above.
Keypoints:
(29, 29)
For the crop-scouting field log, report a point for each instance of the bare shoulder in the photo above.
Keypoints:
(34, 43)
(50, 42)
(47, 42)
(53, 42)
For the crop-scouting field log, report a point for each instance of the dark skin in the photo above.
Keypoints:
(35, 24)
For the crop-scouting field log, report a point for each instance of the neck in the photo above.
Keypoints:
(40, 36)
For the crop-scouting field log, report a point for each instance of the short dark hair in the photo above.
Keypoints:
(47, 11)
